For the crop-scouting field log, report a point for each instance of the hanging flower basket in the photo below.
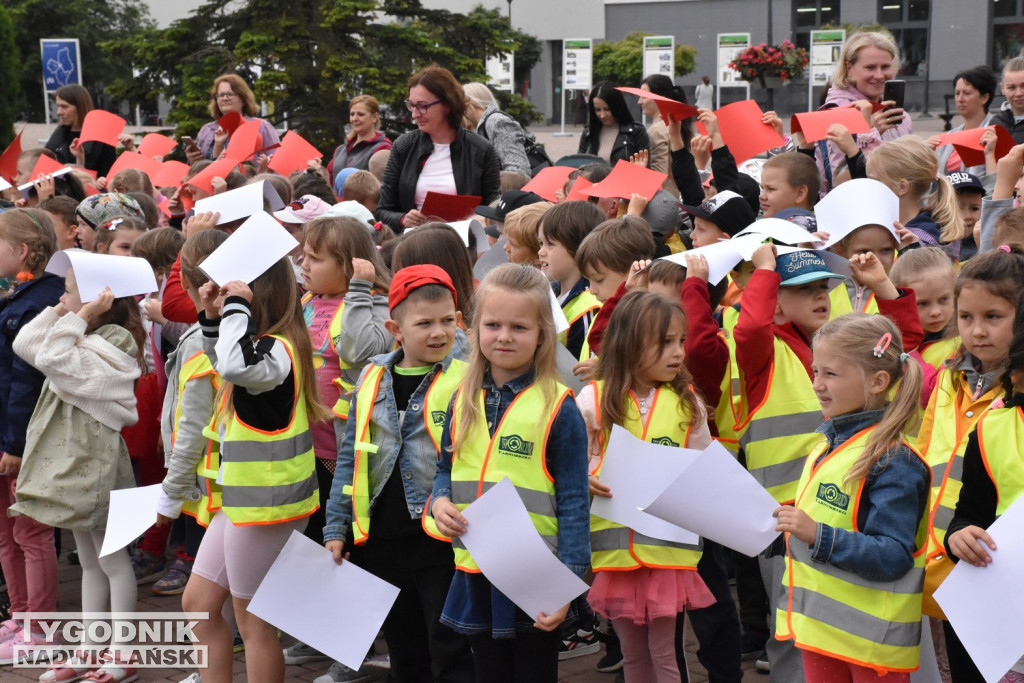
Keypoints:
(770, 65)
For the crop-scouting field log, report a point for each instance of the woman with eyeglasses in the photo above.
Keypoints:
(73, 103)
(611, 132)
(230, 94)
(363, 141)
(440, 156)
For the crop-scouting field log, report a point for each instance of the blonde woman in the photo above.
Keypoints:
(364, 138)
(229, 94)
(484, 117)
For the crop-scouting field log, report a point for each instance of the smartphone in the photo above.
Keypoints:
(894, 91)
(188, 142)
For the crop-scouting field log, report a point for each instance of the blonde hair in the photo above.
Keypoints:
(882, 40)
(913, 264)
(854, 337)
(370, 102)
(240, 88)
(346, 238)
(522, 224)
(909, 158)
(516, 280)
(34, 228)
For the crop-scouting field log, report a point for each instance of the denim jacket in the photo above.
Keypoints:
(473, 605)
(408, 446)
(894, 500)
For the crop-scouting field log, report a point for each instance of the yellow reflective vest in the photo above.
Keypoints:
(195, 368)
(574, 309)
(345, 382)
(435, 408)
(517, 450)
(615, 547)
(948, 420)
(935, 353)
(269, 476)
(778, 434)
(1001, 440)
(841, 305)
(730, 409)
(874, 624)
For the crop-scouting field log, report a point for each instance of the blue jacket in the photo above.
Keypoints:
(20, 383)
(473, 605)
(407, 446)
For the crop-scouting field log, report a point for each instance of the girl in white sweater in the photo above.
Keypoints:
(74, 454)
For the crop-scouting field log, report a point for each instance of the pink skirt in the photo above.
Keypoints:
(645, 594)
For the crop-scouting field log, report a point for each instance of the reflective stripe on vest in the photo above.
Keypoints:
(615, 547)
(198, 367)
(943, 440)
(517, 450)
(841, 304)
(1001, 440)
(346, 383)
(780, 432)
(574, 309)
(935, 353)
(269, 477)
(730, 408)
(435, 407)
(875, 624)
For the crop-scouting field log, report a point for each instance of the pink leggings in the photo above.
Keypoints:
(821, 669)
(648, 651)
(28, 557)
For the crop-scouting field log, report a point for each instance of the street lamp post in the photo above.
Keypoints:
(509, 12)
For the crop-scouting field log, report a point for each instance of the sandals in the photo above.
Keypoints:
(72, 670)
(113, 670)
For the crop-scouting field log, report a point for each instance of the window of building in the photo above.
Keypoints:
(809, 15)
(908, 22)
(1007, 31)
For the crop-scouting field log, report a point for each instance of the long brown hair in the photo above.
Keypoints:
(1000, 272)
(530, 283)
(240, 88)
(440, 245)
(276, 310)
(346, 238)
(637, 329)
(855, 337)
(80, 98)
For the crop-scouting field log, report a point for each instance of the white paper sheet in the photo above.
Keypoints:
(561, 323)
(258, 244)
(471, 225)
(778, 229)
(28, 186)
(491, 259)
(854, 204)
(635, 471)
(929, 670)
(125, 275)
(241, 202)
(984, 604)
(336, 609)
(718, 499)
(512, 555)
(4, 185)
(565, 362)
(722, 257)
(131, 512)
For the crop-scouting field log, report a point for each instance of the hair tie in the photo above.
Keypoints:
(882, 345)
(112, 225)
(904, 357)
(1004, 247)
(25, 276)
(378, 226)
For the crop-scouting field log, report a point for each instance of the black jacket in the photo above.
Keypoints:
(1004, 118)
(99, 156)
(475, 166)
(631, 139)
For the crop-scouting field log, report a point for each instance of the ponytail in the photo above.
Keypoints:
(944, 210)
(1015, 361)
(902, 410)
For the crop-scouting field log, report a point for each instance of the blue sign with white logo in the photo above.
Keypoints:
(61, 62)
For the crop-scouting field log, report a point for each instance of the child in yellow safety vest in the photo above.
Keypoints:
(642, 583)
(257, 341)
(511, 417)
(855, 535)
(932, 276)
(993, 474)
(385, 473)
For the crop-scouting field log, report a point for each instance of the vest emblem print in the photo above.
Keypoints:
(515, 446)
(665, 441)
(832, 497)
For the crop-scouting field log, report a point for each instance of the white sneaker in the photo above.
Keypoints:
(195, 677)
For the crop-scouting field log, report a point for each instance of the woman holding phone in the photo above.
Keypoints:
(229, 94)
(867, 62)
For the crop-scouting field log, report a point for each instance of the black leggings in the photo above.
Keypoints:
(530, 657)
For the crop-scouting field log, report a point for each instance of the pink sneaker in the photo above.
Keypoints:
(8, 629)
(18, 640)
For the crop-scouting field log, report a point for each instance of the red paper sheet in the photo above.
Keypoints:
(9, 159)
(294, 154)
(743, 132)
(218, 169)
(230, 122)
(156, 145)
(170, 173)
(576, 194)
(666, 105)
(245, 141)
(815, 124)
(448, 207)
(44, 166)
(548, 181)
(625, 179)
(968, 145)
(146, 164)
(102, 126)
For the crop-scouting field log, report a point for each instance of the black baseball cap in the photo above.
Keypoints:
(728, 210)
(965, 181)
(509, 202)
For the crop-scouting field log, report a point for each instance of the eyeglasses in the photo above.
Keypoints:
(420, 107)
(225, 95)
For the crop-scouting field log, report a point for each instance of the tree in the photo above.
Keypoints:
(10, 70)
(92, 22)
(622, 62)
(308, 58)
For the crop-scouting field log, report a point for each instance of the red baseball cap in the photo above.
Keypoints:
(409, 279)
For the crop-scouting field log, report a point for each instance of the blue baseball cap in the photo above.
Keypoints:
(801, 267)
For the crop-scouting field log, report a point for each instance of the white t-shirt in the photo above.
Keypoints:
(436, 175)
